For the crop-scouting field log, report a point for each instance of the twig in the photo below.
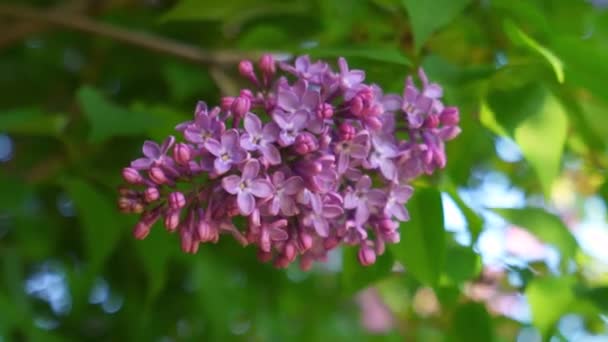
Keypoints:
(140, 39)
(18, 31)
(226, 84)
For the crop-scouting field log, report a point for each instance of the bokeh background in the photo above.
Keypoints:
(509, 244)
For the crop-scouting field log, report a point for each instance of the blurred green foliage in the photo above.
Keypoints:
(81, 87)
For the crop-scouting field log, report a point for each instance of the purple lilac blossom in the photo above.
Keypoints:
(314, 158)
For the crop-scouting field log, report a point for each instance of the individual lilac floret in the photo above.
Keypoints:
(314, 159)
(228, 151)
(382, 156)
(306, 70)
(395, 203)
(349, 78)
(247, 186)
(285, 192)
(298, 98)
(321, 212)
(290, 126)
(364, 199)
(155, 155)
(258, 138)
(204, 127)
(355, 148)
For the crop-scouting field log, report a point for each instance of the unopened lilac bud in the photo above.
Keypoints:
(379, 247)
(306, 262)
(330, 243)
(392, 237)
(356, 106)
(246, 70)
(264, 256)
(137, 207)
(431, 121)
(246, 93)
(449, 132)
(240, 106)
(226, 102)
(141, 230)
(157, 175)
(290, 251)
(124, 204)
(281, 262)
(449, 116)
(373, 122)
(130, 175)
(366, 255)
(267, 65)
(305, 241)
(189, 244)
(305, 143)
(206, 232)
(325, 111)
(346, 131)
(177, 200)
(387, 225)
(151, 194)
(182, 153)
(124, 191)
(171, 220)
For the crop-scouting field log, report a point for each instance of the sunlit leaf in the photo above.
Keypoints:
(108, 119)
(520, 37)
(426, 17)
(545, 226)
(549, 299)
(422, 246)
(584, 62)
(530, 115)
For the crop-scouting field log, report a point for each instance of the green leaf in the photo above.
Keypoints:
(597, 295)
(545, 226)
(154, 252)
(422, 246)
(584, 62)
(531, 114)
(550, 298)
(235, 11)
(526, 12)
(426, 17)
(31, 121)
(462, 264)
(356, 277)
(186, 81)
(376, 54)
(98, 216)
(107, 119)
(520, 37)
(471, 323)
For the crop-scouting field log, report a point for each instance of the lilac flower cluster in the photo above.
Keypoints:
(309, 157)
